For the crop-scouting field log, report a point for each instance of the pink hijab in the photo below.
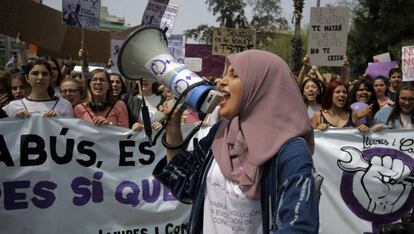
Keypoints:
(272, 112)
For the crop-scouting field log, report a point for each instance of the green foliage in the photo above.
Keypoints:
(378, 27)
(266, 19)
(266, 16)
(203, 33)
(230, 13)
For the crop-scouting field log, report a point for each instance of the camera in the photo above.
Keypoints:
(406, 226)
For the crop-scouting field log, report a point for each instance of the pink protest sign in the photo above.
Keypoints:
(408, 63)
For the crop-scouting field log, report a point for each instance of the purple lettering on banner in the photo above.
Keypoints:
(80, 187)
(97, 189)
(156, 190)
(132, 197)
(14, 200)
(43, 190)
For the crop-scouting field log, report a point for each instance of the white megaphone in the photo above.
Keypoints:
(145, 54)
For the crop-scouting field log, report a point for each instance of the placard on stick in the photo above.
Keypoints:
(408, 63)
(232, 40)
(328, 32)
(154, 12)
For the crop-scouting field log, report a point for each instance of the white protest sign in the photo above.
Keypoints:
(154, 12)
(328, 32)
(168, 19)
(385, 57)
(232, 40)
(115, 47)
(177, 47)
(81, 13)
(408, 63)
(194, 64)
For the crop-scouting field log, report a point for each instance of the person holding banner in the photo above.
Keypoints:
(239, 176)
(153, 97)
(41, 97)
(19, 86)
(401, 116)
(335, 109)
(363, 93)
(101, 108)
(72, 90)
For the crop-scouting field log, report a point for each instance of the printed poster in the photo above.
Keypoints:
(81, 13)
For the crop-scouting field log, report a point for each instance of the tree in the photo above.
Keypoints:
(266, 19)
(266, 16)
(203, 33)
(230, 13)
(378, 27)
(296, 54)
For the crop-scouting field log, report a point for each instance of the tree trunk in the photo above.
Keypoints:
(296, 52)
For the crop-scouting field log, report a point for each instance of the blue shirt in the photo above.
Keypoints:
(289, 199)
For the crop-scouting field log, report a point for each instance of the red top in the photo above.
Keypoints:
(117, 114)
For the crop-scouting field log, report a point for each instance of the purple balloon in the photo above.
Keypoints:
(358, 106)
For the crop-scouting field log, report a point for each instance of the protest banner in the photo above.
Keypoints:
(69, 176)
(176, 47)
(380, 69)
(232, 40)
(37, 23)
(168, 18)
(213, 65)
(154, 12)
(384, 57)
(408, 63)
(328, 32)
(84, 14)
(358, 191)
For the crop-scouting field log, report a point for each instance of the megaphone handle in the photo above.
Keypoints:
(147, 121)
(165, 122)
(185, 141)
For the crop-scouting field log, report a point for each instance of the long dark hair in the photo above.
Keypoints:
(123, 86)
(318, 84)
(43, 62)
(396, 110)
(5, 78)
(369, 85)
(59, 78)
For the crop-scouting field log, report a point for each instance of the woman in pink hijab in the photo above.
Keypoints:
(253, 172)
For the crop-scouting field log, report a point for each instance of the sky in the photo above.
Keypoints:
(191, 13)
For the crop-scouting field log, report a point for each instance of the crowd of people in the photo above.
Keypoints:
(99, 96)
(364, 103)
(263, 102)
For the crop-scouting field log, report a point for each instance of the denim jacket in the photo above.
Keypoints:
(288, 194)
